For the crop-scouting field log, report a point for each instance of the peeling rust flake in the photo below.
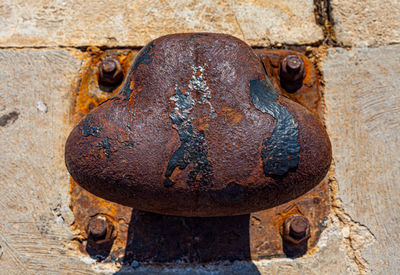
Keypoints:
(88, 129)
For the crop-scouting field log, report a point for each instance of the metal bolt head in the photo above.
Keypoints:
(97, 228)
(108, 66)
(110, 72)
(292, 68)
(296, 229)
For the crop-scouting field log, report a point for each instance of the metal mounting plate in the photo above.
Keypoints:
(148, 237)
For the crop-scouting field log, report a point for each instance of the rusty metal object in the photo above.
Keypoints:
(100, 228)
(110, 72)
(292, 73)
(292, 68)
(100, 236)
(198, 130)
(296, 229)
(305, 92)
(97, 228)
(147, 237)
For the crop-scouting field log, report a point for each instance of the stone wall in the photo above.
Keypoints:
(354, 44)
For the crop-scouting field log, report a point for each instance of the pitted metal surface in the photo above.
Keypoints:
(198, 130)
(148, 237)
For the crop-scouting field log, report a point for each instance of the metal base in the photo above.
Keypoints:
(149, 237)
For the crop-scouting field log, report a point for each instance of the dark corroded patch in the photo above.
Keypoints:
(232, 193)
(280, 151)
(129, 144)
(106, 146)
(144, 57)
(193, 148)
(88, 129)
(8, 118)
(126, 90)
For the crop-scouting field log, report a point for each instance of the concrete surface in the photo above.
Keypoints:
(41, 55)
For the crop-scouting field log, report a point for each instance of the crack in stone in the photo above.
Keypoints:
(236, 20)
(323, 17)
(357, 236)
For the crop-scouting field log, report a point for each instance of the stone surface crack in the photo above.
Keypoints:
(357, 236)
(236, 20)
(323, 17)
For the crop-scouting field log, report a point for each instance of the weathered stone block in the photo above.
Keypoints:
(363, 111)
(135, 23)
(366, 23)
(35, 98)
(269, 22)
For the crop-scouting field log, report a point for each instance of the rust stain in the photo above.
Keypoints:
(85, 205)
(231, 114)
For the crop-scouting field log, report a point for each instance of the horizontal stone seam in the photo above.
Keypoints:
(282, 46)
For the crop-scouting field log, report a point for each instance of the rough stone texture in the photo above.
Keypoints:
(134, 23)
(363, 107)
(366, 23)
(271, 22)
(34, 200)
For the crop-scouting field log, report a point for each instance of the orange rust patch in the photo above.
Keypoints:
(231, 114)
(84, 205)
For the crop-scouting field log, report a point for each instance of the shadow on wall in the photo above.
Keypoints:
(175, 240)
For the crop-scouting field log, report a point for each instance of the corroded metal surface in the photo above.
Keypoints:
(307, 93)
(149, 237)
(198, 129)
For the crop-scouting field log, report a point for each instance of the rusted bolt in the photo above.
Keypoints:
(296, 229)
(292, 68)
(110, 72)
(97, 227)
(100, 228)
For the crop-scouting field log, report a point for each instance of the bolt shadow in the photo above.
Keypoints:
(155, 238)
(291, 86)
(295, 251)
(98, 251)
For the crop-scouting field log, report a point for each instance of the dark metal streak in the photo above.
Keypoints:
(193, 148)
(106, 146)
(143, 57)
(88, 129)
(280, 151)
